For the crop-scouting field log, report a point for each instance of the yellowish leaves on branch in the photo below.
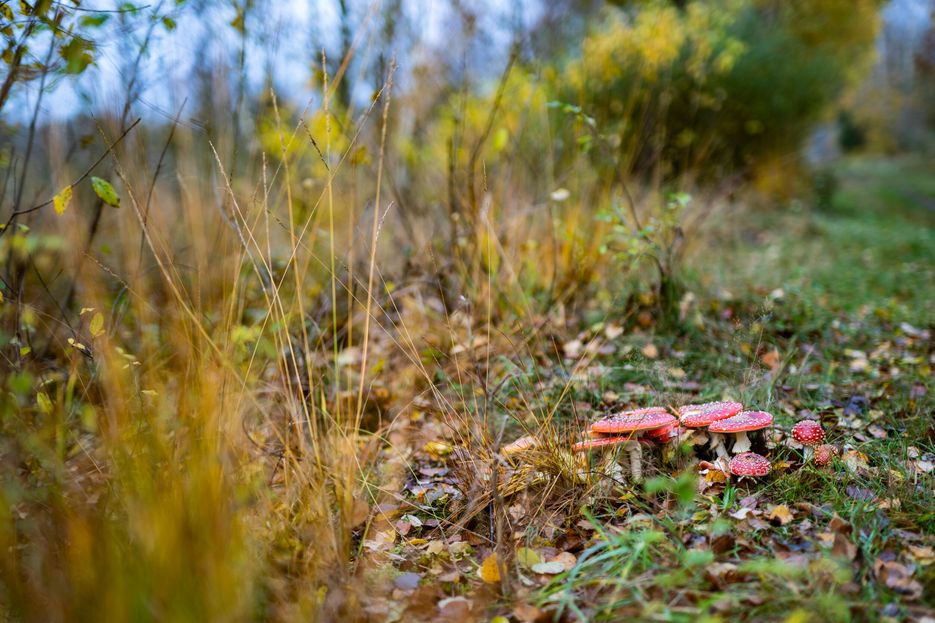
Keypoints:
(60, 201)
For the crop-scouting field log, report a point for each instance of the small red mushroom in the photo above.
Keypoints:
(824, 453)
(741, 425)
(749, 464)
(808, 433)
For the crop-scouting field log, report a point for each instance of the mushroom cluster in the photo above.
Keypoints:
(656, 425)
(698, 423)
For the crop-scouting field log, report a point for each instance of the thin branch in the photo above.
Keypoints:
(75, 183)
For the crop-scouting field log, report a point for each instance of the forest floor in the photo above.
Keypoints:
(821, 312)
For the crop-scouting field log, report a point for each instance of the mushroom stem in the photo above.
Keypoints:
(636, 459)
(809, 452)
(717, 444)
(742, 444)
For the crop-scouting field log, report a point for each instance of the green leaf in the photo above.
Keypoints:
(94, 20)
(105, 191)
(77, 55)
(169, 23)
(60, 201)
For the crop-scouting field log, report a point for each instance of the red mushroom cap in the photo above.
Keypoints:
(600, 442)
(746, 421)
(633, 421)
(808, 433)
(824, 453)
(749, 464)
(663, 433)
(696, 416)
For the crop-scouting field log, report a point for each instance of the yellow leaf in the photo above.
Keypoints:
(97, 325)
(780, 513)
(437, 449)
(60, 201)
(527, 557)
(489, 570)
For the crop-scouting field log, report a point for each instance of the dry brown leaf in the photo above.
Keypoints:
(897, 577)
(566, 559)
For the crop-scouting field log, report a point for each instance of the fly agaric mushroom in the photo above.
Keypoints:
(634, 422)
(611, 467)
(824, 453)
(808, 433)
(747, 464)
(664, 433)
(740, 425)
(699, 416)
(599, 442)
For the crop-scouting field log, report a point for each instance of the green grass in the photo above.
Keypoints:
(870, 250)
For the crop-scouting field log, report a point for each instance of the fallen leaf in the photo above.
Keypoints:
(527, 557)
(897, 577)
(527, 613)
(780, 514)
(489, 570)
(650, 351)
(859, 493)
(407, 581)
(924, 555)
(566, 559)
(548, 568)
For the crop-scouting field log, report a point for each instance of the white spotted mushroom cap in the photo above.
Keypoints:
(697, 416)
(742, 423)
(749, 464)
(808, 433)
(824, 453)
(633, 421)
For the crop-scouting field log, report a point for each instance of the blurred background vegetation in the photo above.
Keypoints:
(181, 437)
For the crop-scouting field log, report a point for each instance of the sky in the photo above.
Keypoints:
(291, 33)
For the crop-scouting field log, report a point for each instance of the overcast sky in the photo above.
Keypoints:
(291, 33)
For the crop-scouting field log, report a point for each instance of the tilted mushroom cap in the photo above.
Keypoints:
(749, 464)
(664, 433)
(746, 421)
(808, 433)
(598, 442)
(633, 421)
(523, 443)
(824, 453)
(696, 416)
